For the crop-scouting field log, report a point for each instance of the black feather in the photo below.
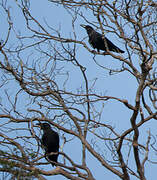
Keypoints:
(100, 42)
(50, 142)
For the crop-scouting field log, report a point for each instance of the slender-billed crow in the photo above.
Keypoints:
(100, 42)
(50, 142)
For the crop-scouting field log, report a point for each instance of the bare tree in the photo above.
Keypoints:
(44, 77)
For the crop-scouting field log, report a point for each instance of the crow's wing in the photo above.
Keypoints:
(50, 141)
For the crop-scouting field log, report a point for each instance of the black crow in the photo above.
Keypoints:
(50, 142)
(99, 42)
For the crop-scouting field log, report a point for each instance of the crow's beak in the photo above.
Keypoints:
(38, 125)
(82, 25)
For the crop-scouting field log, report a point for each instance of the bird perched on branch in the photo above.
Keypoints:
(100, 42)
(50, 142)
